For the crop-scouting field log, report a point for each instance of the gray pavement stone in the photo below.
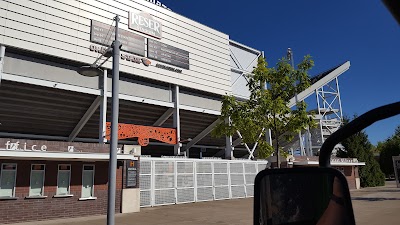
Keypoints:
(379, 205)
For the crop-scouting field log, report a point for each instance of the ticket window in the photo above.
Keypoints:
(8, 177)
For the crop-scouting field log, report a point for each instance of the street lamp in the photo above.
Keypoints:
(92, 71)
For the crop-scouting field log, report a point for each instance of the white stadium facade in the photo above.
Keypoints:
(173, 73)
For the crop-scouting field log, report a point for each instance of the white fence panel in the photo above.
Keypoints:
(221, 181)
(145, 183)
(250, 172)
(204, 178)
(237, 180)
(185, 182)
(164, 182)
(174, 181)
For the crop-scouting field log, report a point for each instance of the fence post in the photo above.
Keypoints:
(152, 185)
(195, 180)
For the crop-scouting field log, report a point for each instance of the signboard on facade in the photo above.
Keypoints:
(132, 174)
(11, 144)
(145, 23)
(344, 160)
(104, 34)
(167, 54)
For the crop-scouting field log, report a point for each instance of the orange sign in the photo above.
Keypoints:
(143, 133)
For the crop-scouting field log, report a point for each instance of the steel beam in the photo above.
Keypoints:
(51, 84)
(202, 134)
(236, 142)
(103, 109)
(310, 90)
(85, 118)
(228, 143)
(177, 121)
(219, 153)
(201, 110)
(164, 117)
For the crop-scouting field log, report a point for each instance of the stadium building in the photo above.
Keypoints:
(173, 73)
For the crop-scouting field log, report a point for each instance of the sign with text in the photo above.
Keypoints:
(23, 146)
(132, 174)
(145, 23)
(104, 34)
(167, 54)
(11, 144)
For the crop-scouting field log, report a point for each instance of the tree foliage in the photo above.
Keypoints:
(358, 146)
(387, 149)
(267, 108)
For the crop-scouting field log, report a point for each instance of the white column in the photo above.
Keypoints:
(177, 121)
(103, 109)
(2, 54)
(228, 147)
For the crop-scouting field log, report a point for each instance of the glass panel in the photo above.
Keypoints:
(87, 184)
(7, 183)
(37, 179)
(63, 183)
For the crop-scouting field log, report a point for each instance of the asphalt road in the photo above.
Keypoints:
(372, 206)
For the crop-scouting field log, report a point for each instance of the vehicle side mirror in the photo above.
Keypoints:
(302, 196)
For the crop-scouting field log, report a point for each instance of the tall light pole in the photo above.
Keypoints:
(92, 71)
(290, 57)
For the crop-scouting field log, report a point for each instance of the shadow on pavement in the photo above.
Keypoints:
(372, 199)
(387, 190)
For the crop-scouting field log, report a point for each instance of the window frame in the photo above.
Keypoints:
(15, 178)
(44, 178)
(69, 181)
(83, 169)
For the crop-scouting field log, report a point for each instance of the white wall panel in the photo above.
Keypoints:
(242, 58)
(204, 50)
(3, 5)
(32, 21)
(62, 28)
(27, 45)
(27, 4)
(17, 34)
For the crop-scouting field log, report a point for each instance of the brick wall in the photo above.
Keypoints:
(23, 209)
(349, 173)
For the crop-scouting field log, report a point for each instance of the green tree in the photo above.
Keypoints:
(267, 108)
(389, 148)
(358, 146)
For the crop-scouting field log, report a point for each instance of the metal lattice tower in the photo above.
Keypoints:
(329, 112)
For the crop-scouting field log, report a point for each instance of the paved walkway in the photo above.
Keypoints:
(371, 206)
(379, 205)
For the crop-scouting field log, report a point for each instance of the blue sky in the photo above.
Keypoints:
(361, 31)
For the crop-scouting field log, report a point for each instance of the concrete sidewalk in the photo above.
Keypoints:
(380, 205)
(377, 205)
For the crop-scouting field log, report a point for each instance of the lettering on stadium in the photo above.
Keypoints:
(135, 59)
(145, 23)
(124, 56)
(158, 3)
(168, 68)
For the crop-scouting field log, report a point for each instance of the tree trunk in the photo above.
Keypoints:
(278, 162)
